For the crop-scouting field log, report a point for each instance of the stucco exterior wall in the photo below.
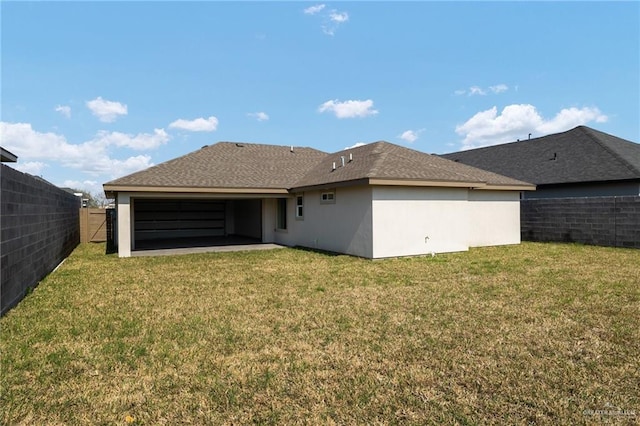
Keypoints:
(372, 221)
(343, 226)
(414, 220)
(494, 218)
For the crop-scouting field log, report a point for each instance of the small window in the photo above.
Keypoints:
(281, 220)
(328, 197)
(299, 207)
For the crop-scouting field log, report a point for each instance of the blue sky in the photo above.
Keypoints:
(92, 91)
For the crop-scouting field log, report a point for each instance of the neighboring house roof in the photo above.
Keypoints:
(386, 163)
(240, 166)
(7, 156)
(254, 168)
(578, 155)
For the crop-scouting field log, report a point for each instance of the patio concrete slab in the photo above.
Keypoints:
(210, 249)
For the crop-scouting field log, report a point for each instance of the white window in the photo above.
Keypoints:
(328, 197)
(299, 207)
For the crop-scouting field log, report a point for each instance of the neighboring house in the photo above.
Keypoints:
(374, 201)
(581, 162)
(7, 156)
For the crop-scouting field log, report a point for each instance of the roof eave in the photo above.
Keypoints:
(426, 183)
(7, 156)
(328, 185)
(417, 183)
(493, 187)
(111, 190)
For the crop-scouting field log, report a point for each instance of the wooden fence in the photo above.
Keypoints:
(93, 225)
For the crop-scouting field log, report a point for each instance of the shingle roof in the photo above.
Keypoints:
(386, 161)
(232, 165)
(229, 165)
(578, 155)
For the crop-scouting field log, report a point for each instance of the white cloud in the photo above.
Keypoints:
(90, 186)
(517, 121)
(260, 116)
(64, 110)
(31, 167)
(312, 10)
(117, 168)
(572, 117)
(475, 90)
(91, 157)
(338, 17)
(349, 109)
(499, 88)
(141, 141)
(411, 135)
(355, 145)
(106, 111)
(197, 125)
(331, 19)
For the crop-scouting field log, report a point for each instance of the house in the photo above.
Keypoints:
(374, 201)
(581, 162)
(7, 157)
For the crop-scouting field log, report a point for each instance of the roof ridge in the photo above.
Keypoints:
(589, 132)
(379, 159)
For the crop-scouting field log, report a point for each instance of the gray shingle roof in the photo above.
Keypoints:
(383, 160)
(229, 165)
(243, 165)
(578, 155)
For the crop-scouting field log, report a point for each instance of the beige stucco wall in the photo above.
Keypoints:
(407, 220)
(494, 218)
(418, 220)
(343, 226)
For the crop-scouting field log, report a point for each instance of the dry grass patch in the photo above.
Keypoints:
(536, 333)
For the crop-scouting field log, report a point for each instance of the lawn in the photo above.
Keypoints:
(535, 333)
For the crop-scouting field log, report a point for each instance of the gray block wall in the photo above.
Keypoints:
(603, 221)
(39, 227)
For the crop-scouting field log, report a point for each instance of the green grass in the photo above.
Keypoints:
(536, 333)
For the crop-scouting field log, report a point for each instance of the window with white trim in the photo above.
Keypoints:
(299, 207)
(328, 197)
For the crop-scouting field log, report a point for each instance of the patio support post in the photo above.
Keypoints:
(124, 225)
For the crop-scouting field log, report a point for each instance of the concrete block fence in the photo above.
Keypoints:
(39, 227)
(603, 221)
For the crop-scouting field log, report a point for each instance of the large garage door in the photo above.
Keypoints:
(172, 219)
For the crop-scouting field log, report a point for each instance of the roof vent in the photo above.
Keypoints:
(291, 148)
(529, 136)
(204, 146)
(342, 160)
(239, 145)
(334, 166)
(350, 156)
